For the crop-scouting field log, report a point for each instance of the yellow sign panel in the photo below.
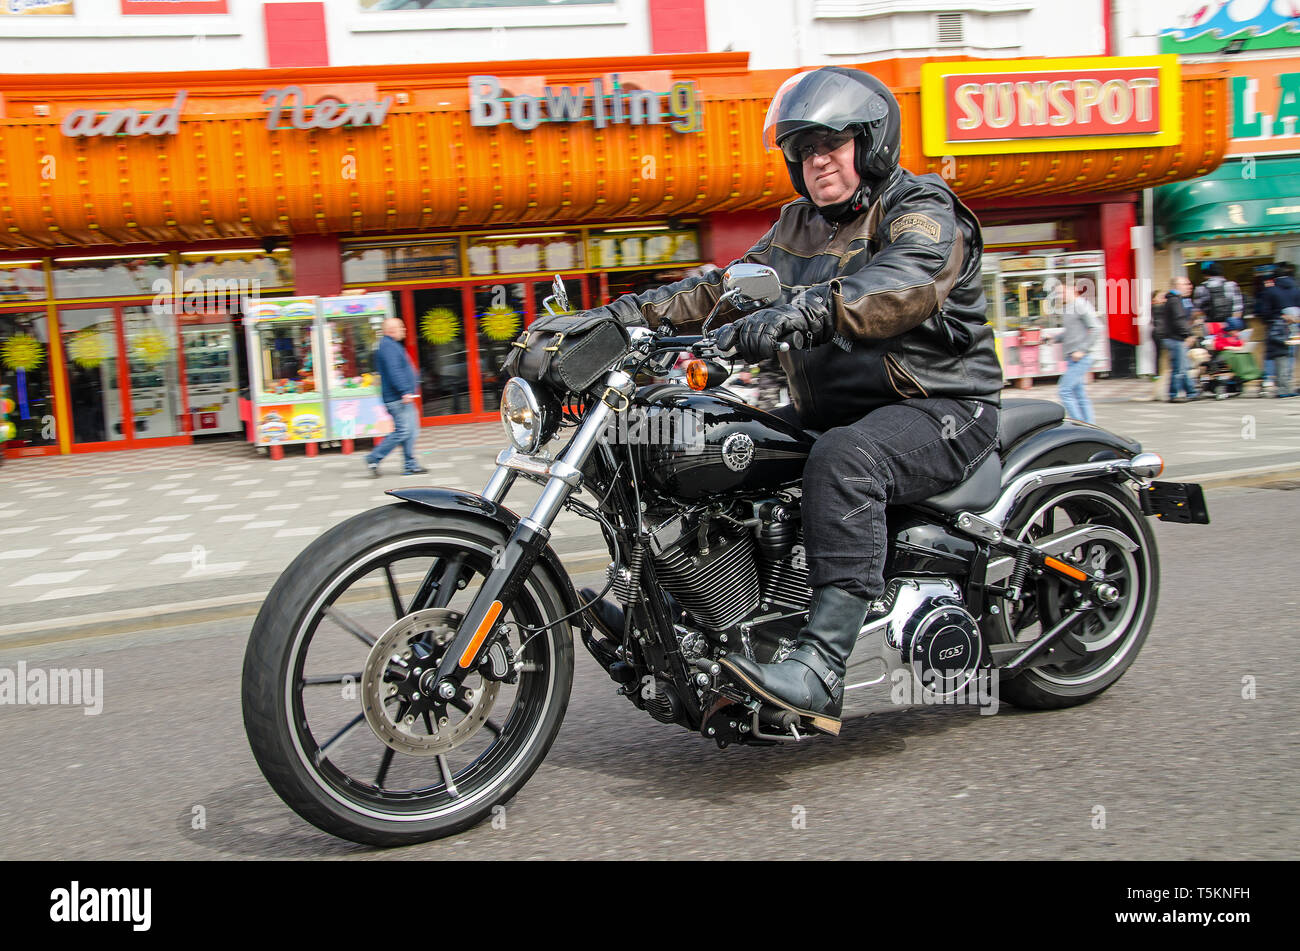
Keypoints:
(1214, 252)
(1051, 105)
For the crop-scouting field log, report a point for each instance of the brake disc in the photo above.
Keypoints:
(399, 675)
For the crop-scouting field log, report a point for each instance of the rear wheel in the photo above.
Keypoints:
(1113, 634)
(328, 697)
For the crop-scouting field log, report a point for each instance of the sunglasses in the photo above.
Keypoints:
(800, 148)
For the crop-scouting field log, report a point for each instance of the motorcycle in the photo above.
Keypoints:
(409, 671)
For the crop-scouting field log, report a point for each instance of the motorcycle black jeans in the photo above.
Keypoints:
(897, 454)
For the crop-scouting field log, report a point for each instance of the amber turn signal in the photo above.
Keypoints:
(697, 374)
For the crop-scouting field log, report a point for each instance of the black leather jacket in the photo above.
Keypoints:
(902, 284)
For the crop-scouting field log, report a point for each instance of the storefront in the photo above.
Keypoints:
(1245, 215)
(138, 212)
(1054, 206)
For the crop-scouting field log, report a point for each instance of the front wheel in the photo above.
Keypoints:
(1111, 635)
(326, 708)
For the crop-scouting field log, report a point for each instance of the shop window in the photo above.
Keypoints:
(210, 372)
(444, 361)
(21, 281)
(643, 246)
(118, 276)
(90, 354)
(530, 253)
(221, 279)
(26, 401)
(376, 262)
(153, 372)
(499, 316)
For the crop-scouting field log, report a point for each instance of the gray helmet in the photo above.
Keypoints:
(837, 98)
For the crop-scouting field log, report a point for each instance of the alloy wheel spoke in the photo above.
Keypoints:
(446, 776)
(349, 625)
(384, 763)
(427, 586)
(330, 679)
(352, 725)
(394, 593)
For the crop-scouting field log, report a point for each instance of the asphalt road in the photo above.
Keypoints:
(1182, 764)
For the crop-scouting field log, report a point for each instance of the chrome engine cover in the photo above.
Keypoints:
(924, 617)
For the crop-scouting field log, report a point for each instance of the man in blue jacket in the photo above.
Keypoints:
(399, 388)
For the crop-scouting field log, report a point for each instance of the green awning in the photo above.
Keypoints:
(1236, 200)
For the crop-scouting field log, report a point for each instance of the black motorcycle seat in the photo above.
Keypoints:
(977, 494)
(1019, 417)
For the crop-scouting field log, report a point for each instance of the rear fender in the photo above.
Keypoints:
(497, 519)
(1067, 443)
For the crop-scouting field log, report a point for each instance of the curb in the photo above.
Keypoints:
(1255, 476)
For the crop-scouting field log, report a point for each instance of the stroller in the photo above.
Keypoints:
(1226, 365)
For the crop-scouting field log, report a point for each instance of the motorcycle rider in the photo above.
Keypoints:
(891, 354)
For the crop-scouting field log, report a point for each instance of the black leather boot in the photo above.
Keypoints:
(811, 680)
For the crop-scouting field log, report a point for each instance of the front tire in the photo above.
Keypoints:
(303, 681)
(1113, 636)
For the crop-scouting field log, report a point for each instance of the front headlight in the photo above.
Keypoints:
(521, 415)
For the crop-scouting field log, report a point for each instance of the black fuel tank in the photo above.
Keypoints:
(695, 444)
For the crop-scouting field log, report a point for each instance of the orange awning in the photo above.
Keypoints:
(225, 174)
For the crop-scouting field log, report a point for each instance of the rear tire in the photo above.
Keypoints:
(1114, 637)
(349, 583)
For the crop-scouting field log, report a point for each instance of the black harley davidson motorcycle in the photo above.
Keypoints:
(411, 668)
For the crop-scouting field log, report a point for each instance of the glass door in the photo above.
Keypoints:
(211, 384)
(90, 353)
(438, 317)
(152, 367)
(500, 311)
(27, 417)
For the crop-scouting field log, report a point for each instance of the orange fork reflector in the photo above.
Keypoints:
(1069, 570)
(493, 612)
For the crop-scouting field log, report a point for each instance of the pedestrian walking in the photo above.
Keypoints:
(1279, 306)
(398, 379)
(1219, 299)
(1082, 331)
(1174, 330)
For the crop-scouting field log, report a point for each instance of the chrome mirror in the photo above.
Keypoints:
(754, 282)
(558, 302)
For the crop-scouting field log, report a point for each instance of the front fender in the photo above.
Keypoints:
(491, 514)
(1067, 443)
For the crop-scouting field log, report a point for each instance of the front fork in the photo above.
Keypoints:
(512, 567)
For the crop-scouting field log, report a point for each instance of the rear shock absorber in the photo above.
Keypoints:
(1018, 574)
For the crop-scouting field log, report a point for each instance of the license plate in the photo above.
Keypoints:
(1175, 502)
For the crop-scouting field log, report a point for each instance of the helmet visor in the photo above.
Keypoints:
(820, 97)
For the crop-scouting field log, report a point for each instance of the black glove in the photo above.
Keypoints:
(758, 336)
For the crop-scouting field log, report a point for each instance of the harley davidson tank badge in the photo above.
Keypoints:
(738, 451)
